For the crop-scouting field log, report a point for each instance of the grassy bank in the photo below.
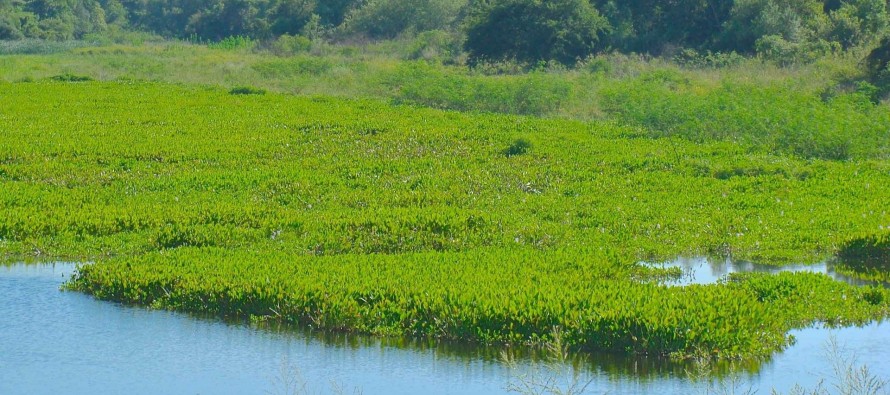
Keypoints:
(363, 216)
(821, 110)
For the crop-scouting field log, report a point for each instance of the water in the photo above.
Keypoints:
(707, 270)
(55, 342)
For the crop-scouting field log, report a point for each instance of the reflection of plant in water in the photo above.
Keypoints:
(702, 373)
(289, 381)
(558, 377)
(850, 378)
(555, 377)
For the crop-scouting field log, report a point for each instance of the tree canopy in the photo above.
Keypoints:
(523, 30)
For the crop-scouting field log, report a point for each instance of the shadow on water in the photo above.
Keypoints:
(710, 270)
(136, 350)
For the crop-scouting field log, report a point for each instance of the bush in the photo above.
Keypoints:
(519, 147)
(531, 31)
(68, 77)
(233, 43)
(247, 90)
(775, 49)
(288, 45)
(436, 45)
(708, 59)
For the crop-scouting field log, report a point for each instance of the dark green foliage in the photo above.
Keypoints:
(877, 66)
(856, 22)
(873, 248)
(71, 78)
(530, 31)
(247, 90)
(332, 12)
(708, 59)
(519, 147)
(56, 20)
(786, 32)
(656, 25)
(878, 59)
(9, 30)
(866, 257)
(290, 16)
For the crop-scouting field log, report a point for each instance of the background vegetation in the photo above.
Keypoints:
(617, 132)
(357, 215)
(528, 31)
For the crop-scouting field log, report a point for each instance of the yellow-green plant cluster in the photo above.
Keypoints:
(358, 215)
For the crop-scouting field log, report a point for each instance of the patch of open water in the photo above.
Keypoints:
(709, 270)
(56, 342)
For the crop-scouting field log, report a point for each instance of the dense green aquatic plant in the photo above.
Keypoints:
(357, 215)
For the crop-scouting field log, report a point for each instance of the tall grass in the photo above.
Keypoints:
(813, 111)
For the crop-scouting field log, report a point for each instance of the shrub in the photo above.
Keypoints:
(247, 90)
(520, 146)
(288, 45)
(434, 45)
(233, 43)
(708, 59)
(68, 77)
(778, 50)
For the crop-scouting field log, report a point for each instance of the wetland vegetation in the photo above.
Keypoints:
(359, 215)
(412, 182)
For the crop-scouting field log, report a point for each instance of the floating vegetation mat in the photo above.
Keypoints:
(356, 215)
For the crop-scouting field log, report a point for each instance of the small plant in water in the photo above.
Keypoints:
(290, 381)
(850, 378)
(556, 377)
(702, 373)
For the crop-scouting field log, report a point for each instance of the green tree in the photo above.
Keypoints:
(389, 18)
(225, 18)
(290, 16)
(792, 21)
(529, 31)
(332, 12)
(858, 21)
(653, 25)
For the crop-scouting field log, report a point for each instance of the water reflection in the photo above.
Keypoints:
(65, 342)
(709, 270)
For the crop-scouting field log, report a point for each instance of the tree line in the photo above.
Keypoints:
(492, 30)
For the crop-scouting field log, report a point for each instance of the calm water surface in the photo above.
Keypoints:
(55, 342)
(709, 270)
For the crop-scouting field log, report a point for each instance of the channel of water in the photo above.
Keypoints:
(58, 342)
